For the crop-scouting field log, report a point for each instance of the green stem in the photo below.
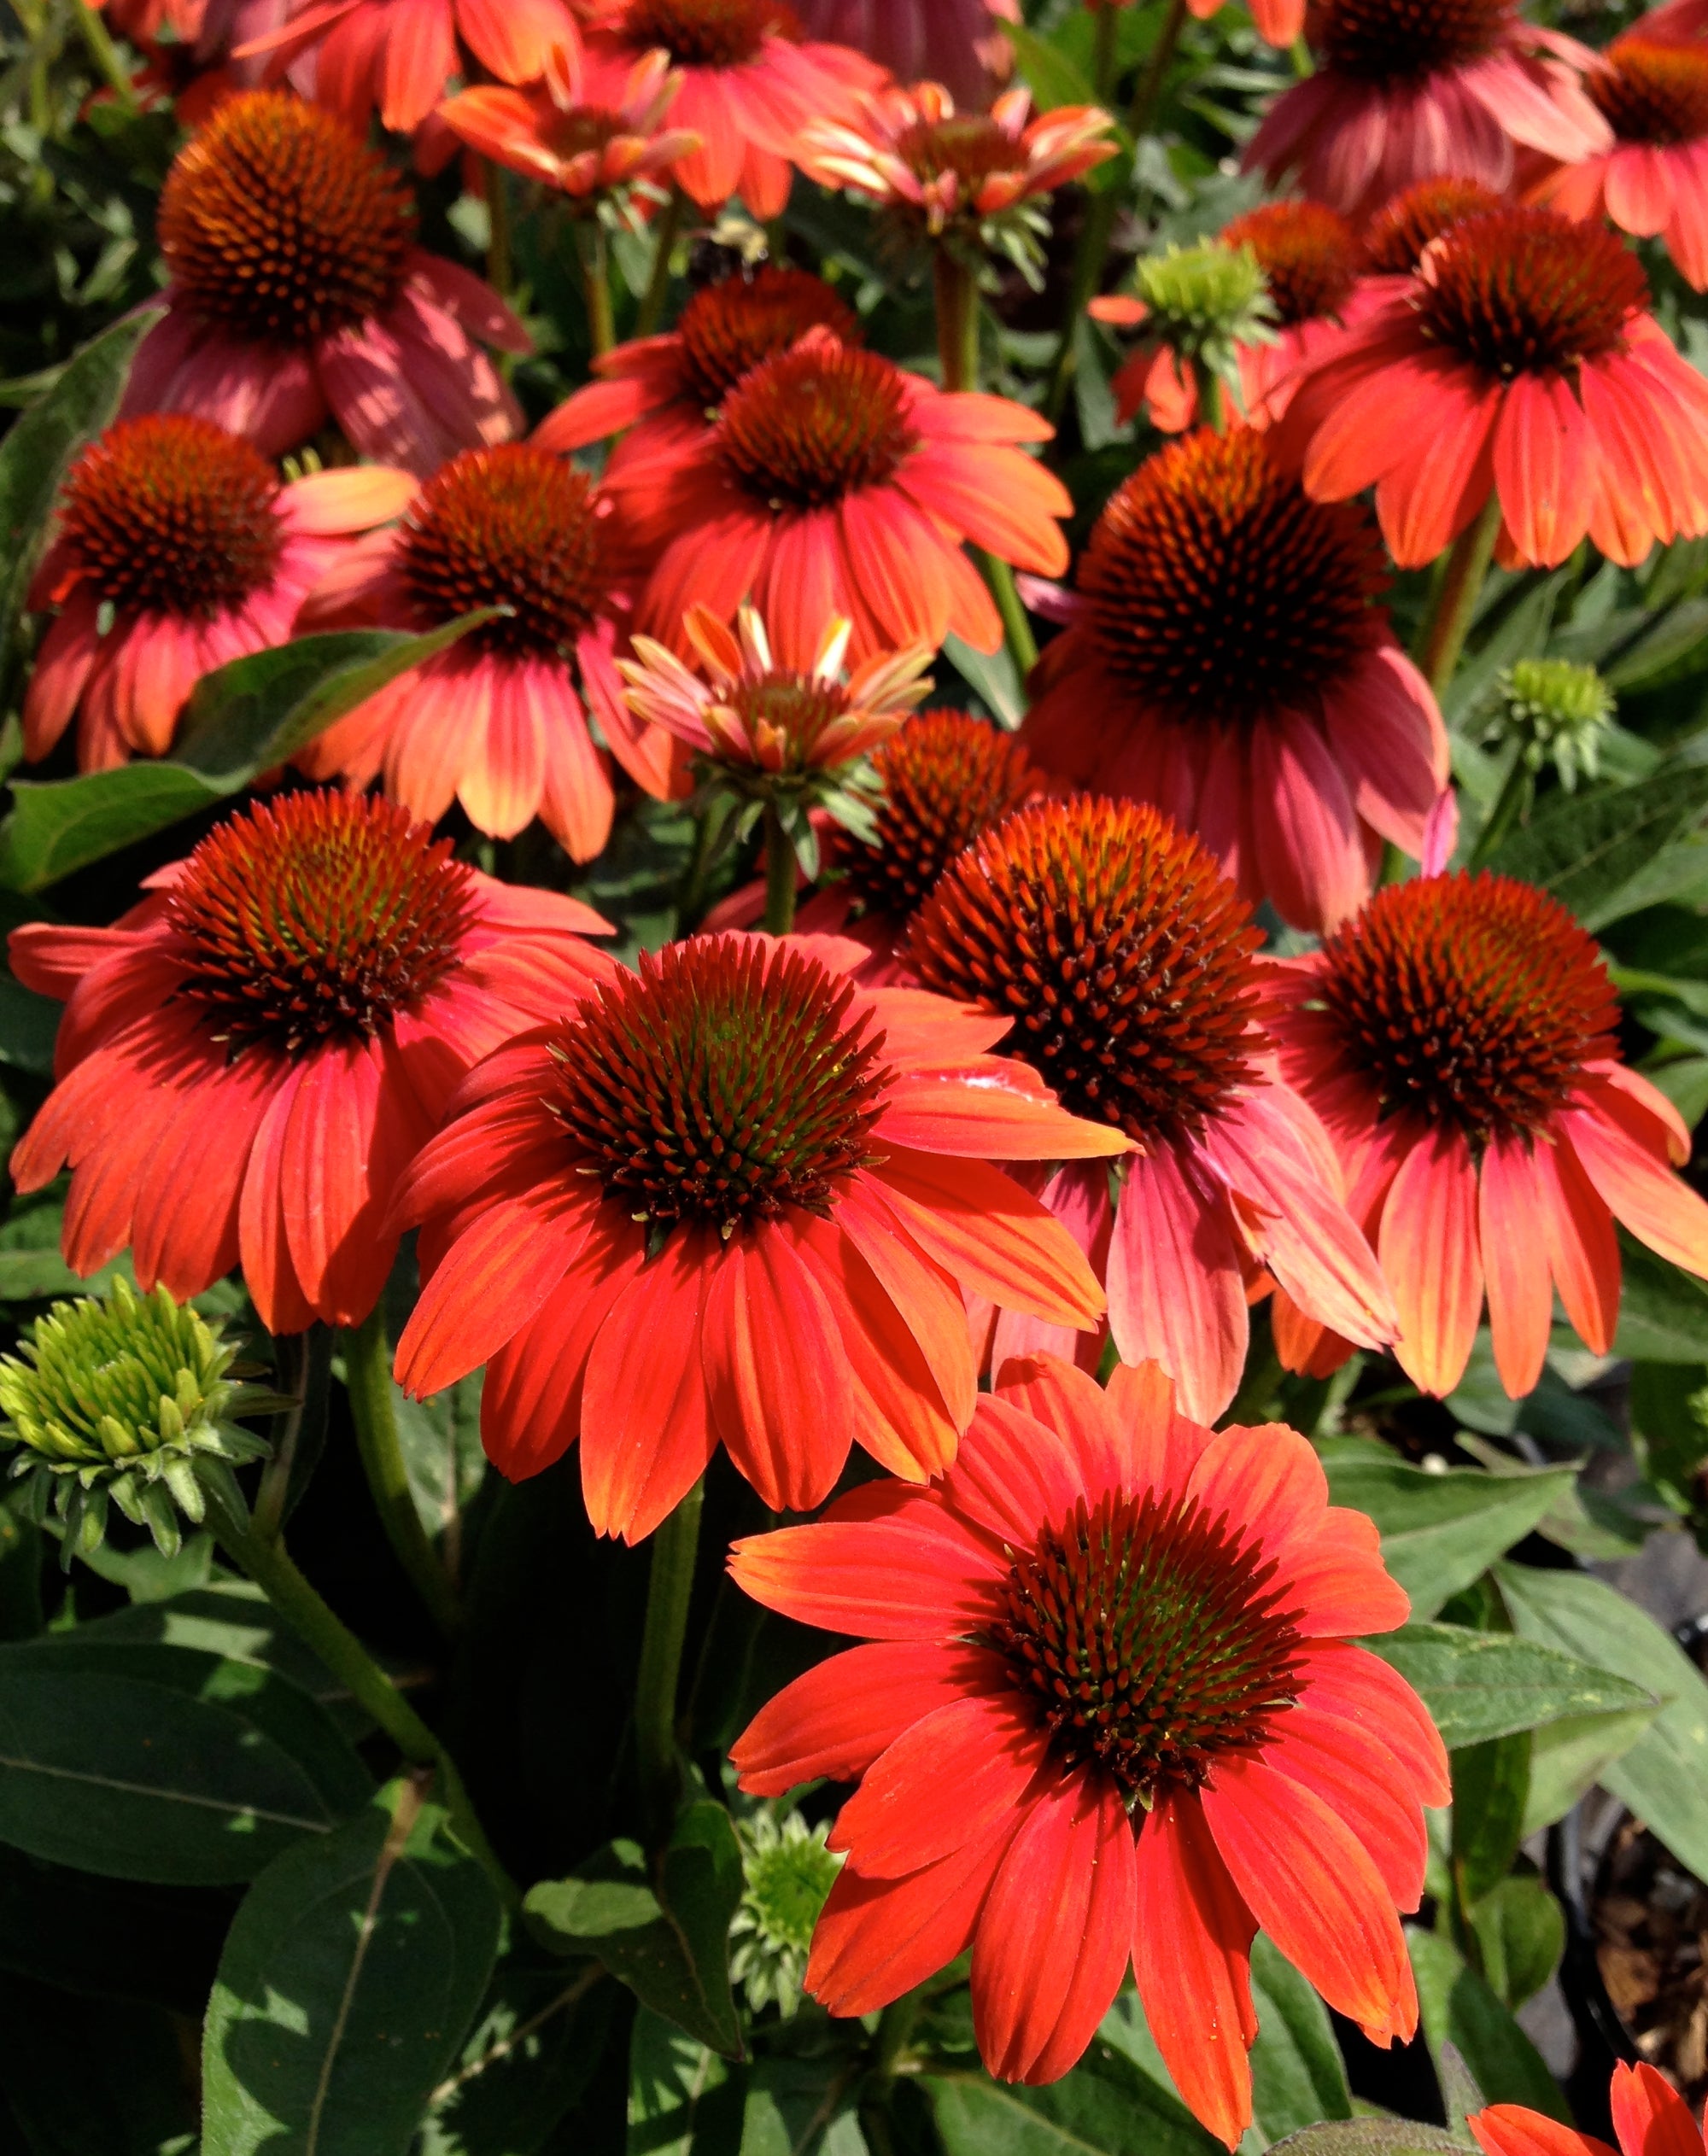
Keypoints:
(1455, 607)
(1103, 43)
(313, 1351)
(1089, 258)
(1016, 626)
(779, 877)
(500, 261)
(1509, 808)
(1148, 93)
(957, 321)
(595, 264)
(1213, 399)
(105, 54)
(896, 2026)
(669, 225)
(367, 1377)
(269, 1565)
(669, 1589)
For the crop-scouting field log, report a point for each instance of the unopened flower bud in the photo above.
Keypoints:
(1556, 713)
(789, 1871)
(125, 1400)
(1204, 301)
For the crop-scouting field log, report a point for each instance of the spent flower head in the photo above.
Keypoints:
(130, 1400)
(789, 1873)
(1555, 712)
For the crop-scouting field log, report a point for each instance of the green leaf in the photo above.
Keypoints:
(1441, 1532)
(1459, 2008)
(231, 1619)
(1663, 1312)
(1569, 1757)
(163, 1764)
(1673, 1437)
(681, 2092)
(1662, 1776)
(1108, 2105)
(28, 1024)
(442, 1454)
(1483, 1684)
(526, 2062)
(1520, 1930)
(243, 719)
(1047, 73)
(1491, 1784)
(351, 1974)
(1589, 850)
(37, 452)
(992, 677)
(671, 1947)
(1298, 2075)
(803, 2106)
(1370, 2137)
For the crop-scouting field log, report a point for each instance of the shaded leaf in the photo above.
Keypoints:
(1491, 1784)
(1592, 850)
(351, 1971)
(1520, 1930)
(1459, 2008)
(526, 2064)
(1297, 2074)
(683, 2100)
(1482, 1685)
(87, 2080)
(1663, 1312)
(1108, 2104)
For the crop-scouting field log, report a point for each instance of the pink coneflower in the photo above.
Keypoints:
(1129, 969)
(496, 720)
(296, 289)
(750, 84)
(1395, 238)
(1476, 1150)
(1654, 182)
(575, 143)
(177, 549)
(398, 58)
(911, 152)
(1406, 88)
(957, 42)
(248, 1059)
(1226, 658)
(830, 481)
(1520, 360)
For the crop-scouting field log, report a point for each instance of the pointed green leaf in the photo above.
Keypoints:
(1481, 1685)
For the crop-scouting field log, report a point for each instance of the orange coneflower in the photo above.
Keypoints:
(1112, 1715)
(248, 1059)
(588, 149)
(1520, 359)
(1404, 89)
(1129, 968)
(1470, 1151)
(1650, 2118)
(831, 481)
(1227, 657)
(751, 83)
(1653, 181)
(734, 1197)
(296, 288)
(175, 549)
(496, 721)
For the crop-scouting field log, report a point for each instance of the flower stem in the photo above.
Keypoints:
(1148, 93)
(312, 1352)
(1016, 624)
(268, 1563)
(957, 321)
(779, 877)
(1508, 809)
(105, 54)
(501, 264)
(1213, 399)
(669, 1591)
(1455, 607)
(595, 262)
(1104, 41)
(669, 224)
(367, 1377)
(896, 2025)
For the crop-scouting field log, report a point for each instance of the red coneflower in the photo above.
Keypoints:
(1396, 237)
(1404, 89)
(1650, 2118)
(734, 1196)
(909, 151)
(664, 387)
(1470, 1149)
(584, 147)
(750, 84)
(1520, 359)
(1226, 658)
(1129, 969)
(177, 549)
(296, 288)
(400, 56)
(1654, 182)
(494, 721)
(248, 1059)
(1110, 1714)
(830, 481)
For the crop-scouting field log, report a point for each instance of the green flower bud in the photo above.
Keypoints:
(125, 1401)
(789, 1871)
(1557, 713)
(1204, 301)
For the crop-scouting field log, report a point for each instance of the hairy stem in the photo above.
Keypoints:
(779, 877)
(1016, 624)
(957, 321)
(595, 257)
(1455, 607)
(669, 1591)
(665, 231)
(367, 1377)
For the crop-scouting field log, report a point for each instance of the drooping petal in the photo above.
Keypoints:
(1177, 1296)
(1514, 1237)
(945, 1781)
(1428, 1250)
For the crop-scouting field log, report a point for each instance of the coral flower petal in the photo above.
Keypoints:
(1429, 1251)
(1512, 1237)
(876, 1939)
(996, 1238)
(1650, 2117)
(945, 1780)
(1509, 2129)
(1177, 1295)
(918, 1576)
(1641, 1191)
(1582, 1249)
